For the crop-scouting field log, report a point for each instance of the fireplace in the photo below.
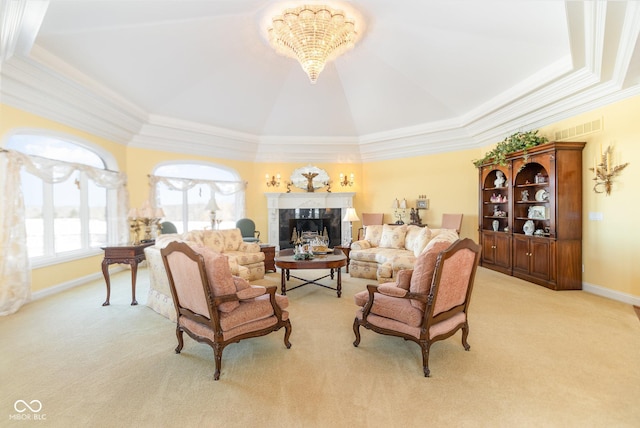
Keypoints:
(307, 212)
(323, 221)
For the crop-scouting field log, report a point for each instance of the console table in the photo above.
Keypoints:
(123, 254)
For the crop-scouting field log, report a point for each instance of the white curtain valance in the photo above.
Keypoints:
(181, 184)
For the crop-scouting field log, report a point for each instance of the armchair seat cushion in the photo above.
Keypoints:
(392, 308)
(248, 311)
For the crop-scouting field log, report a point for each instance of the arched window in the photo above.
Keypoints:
(70, 196)
(186, 191)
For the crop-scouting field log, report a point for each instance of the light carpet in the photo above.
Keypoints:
(537, 358)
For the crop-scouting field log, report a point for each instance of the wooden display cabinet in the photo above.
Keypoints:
(539, 229)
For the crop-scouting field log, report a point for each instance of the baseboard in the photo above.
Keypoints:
(611, 294)
(71, 284)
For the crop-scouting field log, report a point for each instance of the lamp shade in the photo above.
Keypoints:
(395, 204)
(212, 206)
(350, 215)
(403, 204)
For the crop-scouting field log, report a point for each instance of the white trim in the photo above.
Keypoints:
(611, 294)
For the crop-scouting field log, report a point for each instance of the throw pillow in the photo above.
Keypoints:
(219, 276)
(421, 241)
(423, 271)
(393, 236)
(444, 235)
(413, 232)
(373, 234)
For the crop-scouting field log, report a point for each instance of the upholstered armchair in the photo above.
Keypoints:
(248, 229)
(426, 304)
(215, 307)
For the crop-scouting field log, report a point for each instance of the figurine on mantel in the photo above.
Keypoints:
(310, 176)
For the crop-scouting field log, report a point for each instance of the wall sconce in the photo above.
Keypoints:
(604, 172)
(274, 181)
(399, 210)
(346, 181)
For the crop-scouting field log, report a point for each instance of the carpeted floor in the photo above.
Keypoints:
(537, 358)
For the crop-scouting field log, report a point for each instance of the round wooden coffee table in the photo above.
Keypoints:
(332, 261)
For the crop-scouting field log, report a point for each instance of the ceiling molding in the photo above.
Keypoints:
(19, 26)
(34, 80)
(32, 86)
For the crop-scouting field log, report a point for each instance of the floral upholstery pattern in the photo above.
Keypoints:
(372, 260)
(393, 236)
(245, 261)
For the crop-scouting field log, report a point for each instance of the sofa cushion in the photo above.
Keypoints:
(443, 235)
(413, 232)
(393, 236)
(219, 276)
(423, 271)
(421, 241)
(213, 239)
(232, 239)
(373, 234)
(245, 259)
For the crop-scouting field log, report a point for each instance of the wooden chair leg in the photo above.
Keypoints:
(425, 358)
(465, 334)
(287, 333)
(179, 334)
(217, 355)
(356, 330)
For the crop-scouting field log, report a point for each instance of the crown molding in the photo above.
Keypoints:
(19, 25)
(179, 136)
(35, 87)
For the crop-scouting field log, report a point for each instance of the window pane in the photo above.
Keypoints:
(197, 217)
(66, 215)
(97, 215)
(171, 202)
(198, 198)
(33, 210)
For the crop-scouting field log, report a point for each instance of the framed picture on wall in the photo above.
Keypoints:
(422, 204)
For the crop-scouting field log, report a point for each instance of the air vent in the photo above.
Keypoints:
(579, 130)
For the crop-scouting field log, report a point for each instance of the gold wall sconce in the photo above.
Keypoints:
(274, 181)
(346, 181)
(604, 171)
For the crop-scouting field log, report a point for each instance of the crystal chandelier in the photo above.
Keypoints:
(313, 35)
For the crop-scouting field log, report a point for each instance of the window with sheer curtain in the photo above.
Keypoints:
(66, 216)
(59, 203)
(184, 190)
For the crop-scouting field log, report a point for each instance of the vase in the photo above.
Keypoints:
(496, 225)
(528, 228)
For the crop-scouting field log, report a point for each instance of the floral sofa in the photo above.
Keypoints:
(386, 249)
(245, 260)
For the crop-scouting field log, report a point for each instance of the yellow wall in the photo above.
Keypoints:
(610, 248)
(449, 180)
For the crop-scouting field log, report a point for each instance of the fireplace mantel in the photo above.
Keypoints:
(282, 201)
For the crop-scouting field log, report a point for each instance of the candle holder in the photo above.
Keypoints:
(604, 172)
